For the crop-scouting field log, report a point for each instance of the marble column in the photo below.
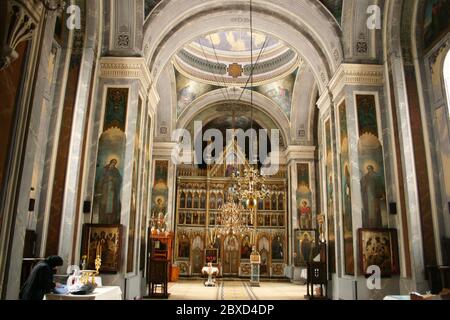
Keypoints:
(23, 152)
(131, 73)
(163, 151)
(296, 155)
(350, 81)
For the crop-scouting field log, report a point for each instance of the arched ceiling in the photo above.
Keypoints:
(265, 111)
(226, 115)
(225, 58)
(308, 27)
(207, 45)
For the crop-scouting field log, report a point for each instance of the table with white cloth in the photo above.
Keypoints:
(210, 271)
(397, 298)
(100, 293)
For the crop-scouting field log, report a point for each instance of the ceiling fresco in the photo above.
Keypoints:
(237, 41)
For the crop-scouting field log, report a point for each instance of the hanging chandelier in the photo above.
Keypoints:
(251, 187)
(251, 184)
(233, 218)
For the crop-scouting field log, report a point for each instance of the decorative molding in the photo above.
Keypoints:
(306, 153)
(356, 75)
(190, 72)
(324, 103)
(202, 64)
(126, 68)
(271, 65)
(163, 150)
(20, 19)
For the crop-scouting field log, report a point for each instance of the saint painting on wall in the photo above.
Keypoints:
(305, 246)
(277, 249)
(160, 193)
(102, 241)
(108, 180)
(184, 247)
(246, 248)
(371, 163)
(346, 193)
(304, 197)
(110, 158)
(188, 90)
(329, 174)
(263, 248)
(280, 92)
(305, 215)
(378, 247)
(110, 186)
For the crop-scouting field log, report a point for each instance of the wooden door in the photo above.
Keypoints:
(197, 255)
(231, 256)
(197, 261)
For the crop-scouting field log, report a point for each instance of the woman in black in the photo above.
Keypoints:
(40, 280)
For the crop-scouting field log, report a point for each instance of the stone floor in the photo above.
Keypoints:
(235, 290)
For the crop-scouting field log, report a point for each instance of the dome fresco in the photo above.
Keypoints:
(238, 41)
(229, 55)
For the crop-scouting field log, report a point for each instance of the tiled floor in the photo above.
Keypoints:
(235, 290)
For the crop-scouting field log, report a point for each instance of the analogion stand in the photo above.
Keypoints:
(159, 266)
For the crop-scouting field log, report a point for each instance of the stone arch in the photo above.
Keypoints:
(260, 103)
(303, 106)
(306, 25)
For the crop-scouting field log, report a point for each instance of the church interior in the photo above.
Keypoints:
(227, 150)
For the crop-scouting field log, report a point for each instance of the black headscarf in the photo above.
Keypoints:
(54, 261)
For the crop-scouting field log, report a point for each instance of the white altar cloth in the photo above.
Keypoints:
(103, 293)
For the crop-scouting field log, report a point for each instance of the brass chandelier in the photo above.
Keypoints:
(238, 215)
(251, 187)
(232, 219)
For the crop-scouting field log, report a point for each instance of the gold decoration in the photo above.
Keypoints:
(232, 219)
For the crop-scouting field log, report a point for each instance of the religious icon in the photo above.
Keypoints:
(305, 246)
(189, 200)
(378, 247)
(280, 202)
(373, 193)
(111, 182)
(274, 202)
(183, 200)
(305, 215)
(277, 249)
(203, 201)
(103, 240)
(181, 217)
(246, 249)
(183, 247)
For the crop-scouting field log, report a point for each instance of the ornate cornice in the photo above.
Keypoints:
(356, 75)
(126, 68)
(300, 153)
(163, 149)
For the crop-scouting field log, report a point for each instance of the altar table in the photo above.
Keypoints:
(100, 293)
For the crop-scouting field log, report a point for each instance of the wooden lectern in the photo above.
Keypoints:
(317, 275)
(159, 264)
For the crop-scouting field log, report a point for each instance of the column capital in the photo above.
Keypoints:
(356, 75)
(163, 150)
(127, 68)
(300, 153)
